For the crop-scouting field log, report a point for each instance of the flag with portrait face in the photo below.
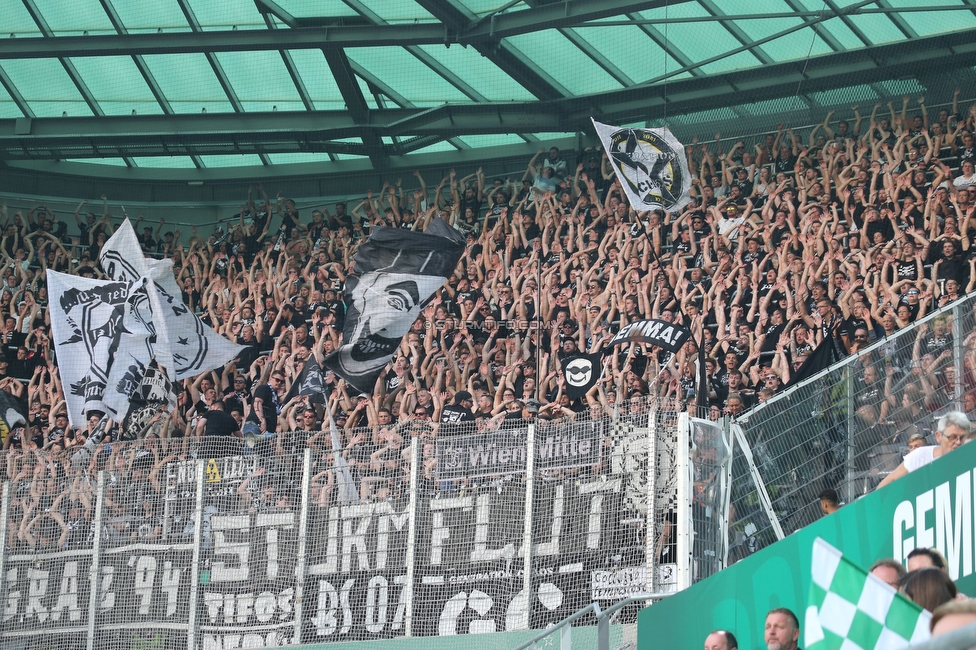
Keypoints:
(396, 274)
(650, 165)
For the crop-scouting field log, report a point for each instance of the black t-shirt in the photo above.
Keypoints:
(269, 407)
(220, 424)
(454, 413)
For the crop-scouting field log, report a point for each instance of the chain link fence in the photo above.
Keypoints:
(418, 529)
(849, 427)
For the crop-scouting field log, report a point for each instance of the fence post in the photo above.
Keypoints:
(849, 491)
(527, 526)
(958, 355)
(94, 579)
(685, 532)
(650, 543)
(411, 559)
(191, 627)
(301, 560)
(4, 515)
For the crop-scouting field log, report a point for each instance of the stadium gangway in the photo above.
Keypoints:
(565, 626)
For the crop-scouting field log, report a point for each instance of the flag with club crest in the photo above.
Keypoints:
(851, 609)
(185, 346)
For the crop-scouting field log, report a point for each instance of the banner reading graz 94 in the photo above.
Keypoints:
(143, 590)
(503, 451)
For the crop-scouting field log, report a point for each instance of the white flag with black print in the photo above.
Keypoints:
(102, 340)
(650, 165)
(186, 346)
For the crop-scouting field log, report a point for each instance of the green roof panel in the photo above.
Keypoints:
(74, 18)
(117, 85)
(189, 83)
(271, 88)
(569, 66)
(46, 87)
(139, 16)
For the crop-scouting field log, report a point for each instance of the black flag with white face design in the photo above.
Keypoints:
(397, 272)
(582, 373)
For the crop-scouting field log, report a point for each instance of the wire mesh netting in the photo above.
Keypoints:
(409, 530)
(851, 426)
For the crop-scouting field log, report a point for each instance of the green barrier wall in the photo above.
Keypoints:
(931, 507)
(584, 638)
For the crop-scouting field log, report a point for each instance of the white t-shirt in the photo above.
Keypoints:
(920, 457)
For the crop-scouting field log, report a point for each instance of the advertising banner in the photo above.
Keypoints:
(931, 507)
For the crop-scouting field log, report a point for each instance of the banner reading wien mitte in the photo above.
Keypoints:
(503, 451)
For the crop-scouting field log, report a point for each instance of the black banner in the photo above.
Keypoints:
(656, 332)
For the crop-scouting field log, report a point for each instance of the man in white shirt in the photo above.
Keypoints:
(952, 431)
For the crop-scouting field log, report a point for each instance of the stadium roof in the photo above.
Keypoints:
(203, 85)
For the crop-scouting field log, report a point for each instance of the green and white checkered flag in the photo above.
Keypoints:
(848, 609)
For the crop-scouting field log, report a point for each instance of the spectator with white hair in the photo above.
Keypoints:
(952, 431)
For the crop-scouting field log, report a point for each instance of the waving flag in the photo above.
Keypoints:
(397, 272)
(650, 165)
(103, 341)
(185, 346)
(852, 609)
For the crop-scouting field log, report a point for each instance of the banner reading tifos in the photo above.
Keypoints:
(931, 507)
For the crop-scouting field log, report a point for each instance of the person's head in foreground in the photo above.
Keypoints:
(782, 630)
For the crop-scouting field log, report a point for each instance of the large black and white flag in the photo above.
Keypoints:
(397, 272)
(656, 332)
(103, 341)
(581, 373)
(185, 346)
(650, 165)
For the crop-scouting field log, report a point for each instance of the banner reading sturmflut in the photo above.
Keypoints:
(650, 165)
(397, 272)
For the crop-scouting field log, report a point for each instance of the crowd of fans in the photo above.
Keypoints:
(850, 233)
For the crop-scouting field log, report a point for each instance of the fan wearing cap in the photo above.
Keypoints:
(460, 410)
(728, 219)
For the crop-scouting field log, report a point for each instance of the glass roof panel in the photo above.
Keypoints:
(619, 44)
(8, 108)
(287, 158)
(189, 83)
(926, 23)
(242, 160)
(791, 46)
(111, 162)
(482, 7)
(46, 87)
(839, 30)
(701, 40)
(316, 8)
(174, 162)
(493, 140)
(17, 20)
(117, 85)
(437, 147)
(75, 17)
(556, 55)
(728, 63)
(140, 16)
(260, 92)
(318, 81)
(480, 73)
(878, 28)
(227, 14)
(853, 95)
(406, 75)
(394, 11)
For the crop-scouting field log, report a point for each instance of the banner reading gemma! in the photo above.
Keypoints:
(656, 332)
(503, 451)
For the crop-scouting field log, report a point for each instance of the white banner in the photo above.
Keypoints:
(185, 346)
(102, 341)
(650, 165)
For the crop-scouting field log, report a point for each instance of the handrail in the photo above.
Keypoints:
(603, 622)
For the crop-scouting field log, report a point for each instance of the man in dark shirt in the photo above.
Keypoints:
(265, 408)
(217, 427)
(460, 410)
